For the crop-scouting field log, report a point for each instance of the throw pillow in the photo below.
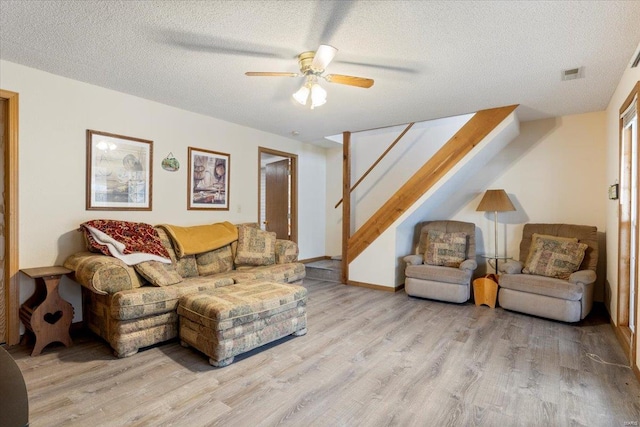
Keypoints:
(555, 258)
(534, 241)
(158, 274)
(185, 266)
(216, 261)
(447, 249)
(255, 247)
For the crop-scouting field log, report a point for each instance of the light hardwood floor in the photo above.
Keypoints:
(370, 358)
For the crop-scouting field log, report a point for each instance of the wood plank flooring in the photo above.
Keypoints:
(370, 358)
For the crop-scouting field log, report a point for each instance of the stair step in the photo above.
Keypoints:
(329, 270)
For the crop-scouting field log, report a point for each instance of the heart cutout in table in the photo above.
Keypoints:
(52, 318)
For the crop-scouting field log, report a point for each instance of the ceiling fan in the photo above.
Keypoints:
(312, 66)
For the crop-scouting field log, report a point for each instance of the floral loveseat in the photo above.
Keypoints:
(132, 307)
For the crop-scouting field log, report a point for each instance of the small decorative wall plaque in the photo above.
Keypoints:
(170, 163)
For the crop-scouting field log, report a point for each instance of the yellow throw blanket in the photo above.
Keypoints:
(200, 238)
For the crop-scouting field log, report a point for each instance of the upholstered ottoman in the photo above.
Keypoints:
(234, 319)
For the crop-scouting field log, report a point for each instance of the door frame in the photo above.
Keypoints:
(293, 192)
(12, 294)
(621, 327)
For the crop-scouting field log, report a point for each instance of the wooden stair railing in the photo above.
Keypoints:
(470, 135)
(364, 175)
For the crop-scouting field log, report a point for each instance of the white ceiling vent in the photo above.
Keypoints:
(573, 73)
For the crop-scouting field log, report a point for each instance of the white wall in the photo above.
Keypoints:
(411, 152)
(400, 163)
(55, 113)
(333, 238)
(554, 172)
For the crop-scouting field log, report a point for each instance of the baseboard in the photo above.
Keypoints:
(622, 338)
(376, 287)
(637, 372)
(308, 260)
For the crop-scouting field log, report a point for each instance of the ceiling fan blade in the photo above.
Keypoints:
(349, 80)
(269, 74)
(323, 57)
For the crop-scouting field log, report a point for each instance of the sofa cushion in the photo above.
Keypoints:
(158, 274)
(446, 249)
(185, 266)
(255, 247)
(216, 261)
(438, 274)
(554, 258)
(541, 285)
(102, 274)
(151, 300)
(286, 273)
(286, 251)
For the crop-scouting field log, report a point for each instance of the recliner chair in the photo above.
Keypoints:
(548, 287)
(444, 273)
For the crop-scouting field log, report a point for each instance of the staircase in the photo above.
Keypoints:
(372, 254)
(329, 270)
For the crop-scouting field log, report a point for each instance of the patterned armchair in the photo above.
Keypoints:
(444, 262)
(556, 273)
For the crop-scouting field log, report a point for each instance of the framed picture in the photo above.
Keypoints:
(208, 180)
(119, 171)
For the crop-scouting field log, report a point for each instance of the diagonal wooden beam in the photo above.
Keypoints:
(470, 135)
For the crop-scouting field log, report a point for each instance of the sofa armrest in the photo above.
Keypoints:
(102, 274)
(286, 251)
(511, 267)
(583, 276)
(413, 259)
(469, 264)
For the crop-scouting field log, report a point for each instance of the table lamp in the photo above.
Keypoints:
(495, 201)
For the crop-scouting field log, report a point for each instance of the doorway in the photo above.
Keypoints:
(629, 226)
(9, 322)
(278, 194)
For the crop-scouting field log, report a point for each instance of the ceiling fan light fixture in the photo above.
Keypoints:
(302, 94)
(318, 96)
(311, 91)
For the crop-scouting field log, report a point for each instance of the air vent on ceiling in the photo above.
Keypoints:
(572, 73)
(636, 61)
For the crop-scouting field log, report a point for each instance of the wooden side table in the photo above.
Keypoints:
(45, 313)
(485, 290)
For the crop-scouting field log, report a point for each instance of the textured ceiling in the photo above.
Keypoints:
(428, 59)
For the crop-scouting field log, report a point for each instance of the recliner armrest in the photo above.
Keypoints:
(413, 259)
(583, 276)
(511, 267)
(469, 264)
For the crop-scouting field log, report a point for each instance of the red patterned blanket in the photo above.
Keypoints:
(122, 238)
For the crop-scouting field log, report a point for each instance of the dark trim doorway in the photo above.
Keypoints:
(267, 156)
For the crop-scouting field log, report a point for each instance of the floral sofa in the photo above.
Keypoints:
(135, 306)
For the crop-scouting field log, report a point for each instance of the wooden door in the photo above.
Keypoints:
(277, 198)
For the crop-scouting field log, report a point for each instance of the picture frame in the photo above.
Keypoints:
(613, 192)
(208, 180)
(119, 172)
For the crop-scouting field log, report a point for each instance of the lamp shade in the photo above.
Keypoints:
(302, 95)
(495, 201)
